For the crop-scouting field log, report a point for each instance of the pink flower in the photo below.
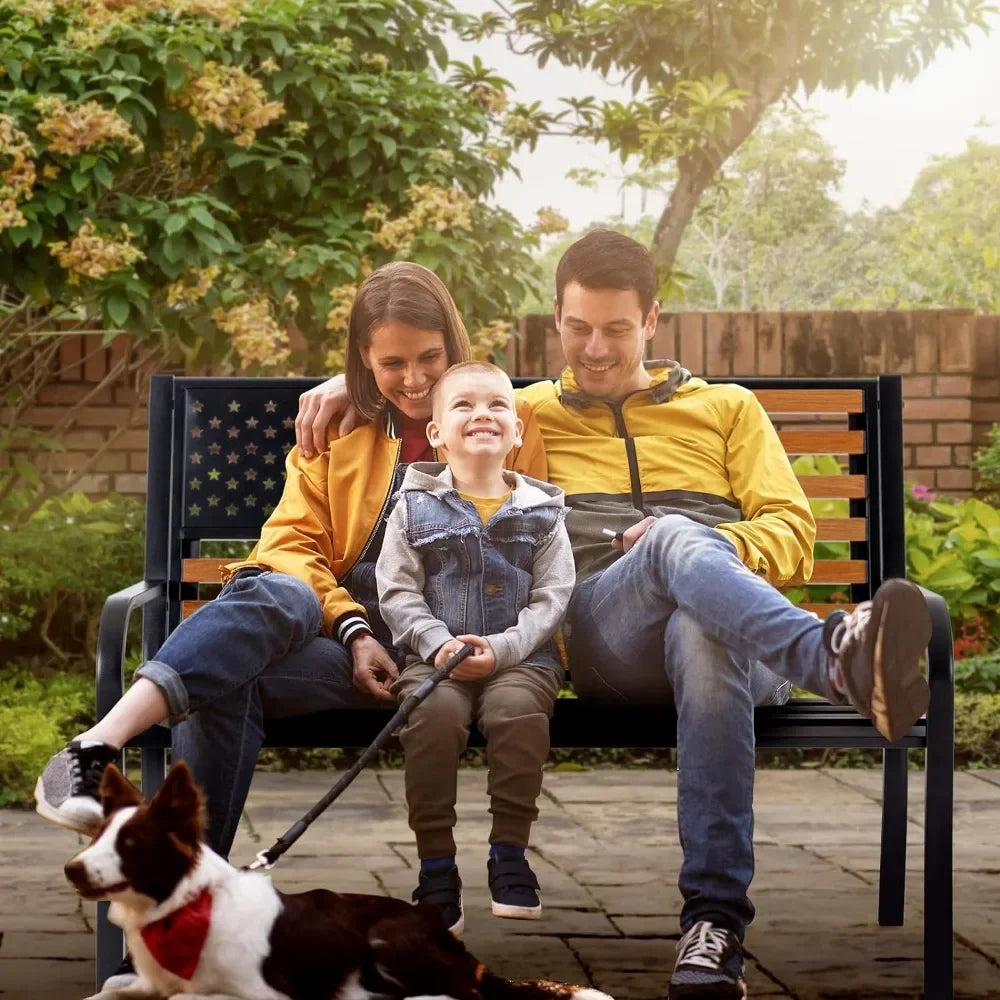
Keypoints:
(924, 493)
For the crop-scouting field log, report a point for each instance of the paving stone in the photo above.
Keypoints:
(608, 857)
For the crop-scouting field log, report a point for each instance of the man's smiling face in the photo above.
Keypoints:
(604, 335)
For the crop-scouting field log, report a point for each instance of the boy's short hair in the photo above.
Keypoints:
(606, 259)
(486, 367)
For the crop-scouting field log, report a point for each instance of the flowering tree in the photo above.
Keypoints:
(214, 177)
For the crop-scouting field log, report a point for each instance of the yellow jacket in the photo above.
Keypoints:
(680, 446)
(332, 504)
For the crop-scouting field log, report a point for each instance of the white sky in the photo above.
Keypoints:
(884, 137)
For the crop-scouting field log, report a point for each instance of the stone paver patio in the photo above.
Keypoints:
(607, 856)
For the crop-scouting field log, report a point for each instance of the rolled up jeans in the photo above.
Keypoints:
(252, 653)
(679, 619)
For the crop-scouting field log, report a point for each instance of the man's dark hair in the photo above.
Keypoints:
(606, 259)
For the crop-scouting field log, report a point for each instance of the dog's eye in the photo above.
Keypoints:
(128, 841)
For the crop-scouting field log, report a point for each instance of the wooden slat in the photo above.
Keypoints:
(823, 442)
(188, 608)
(204, 570)
(841, 529)
(833, 487)
(811, 400)
(839, 571)
(824, 609)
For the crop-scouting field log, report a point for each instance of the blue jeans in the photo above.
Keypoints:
(253, 652)
(679, 618)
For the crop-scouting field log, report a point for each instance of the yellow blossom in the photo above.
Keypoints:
(548, 220)
(377, 62)
(193, 286)
(230, 100)
(342, 298)
(254, 333)
(487, 339)
(431, 207)
(71, 129)
(91, 255)
(17, 173)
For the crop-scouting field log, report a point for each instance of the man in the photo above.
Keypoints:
(682, 605)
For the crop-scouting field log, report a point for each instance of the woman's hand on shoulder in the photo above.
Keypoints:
(319, 407)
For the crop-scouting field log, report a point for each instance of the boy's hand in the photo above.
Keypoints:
(374, 670)
(318, 408)
(480, 664)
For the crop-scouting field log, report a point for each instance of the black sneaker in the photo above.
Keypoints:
(66, 792)
(123, 978)
(878, 648)
(514, 889)
(709, 964)
(443, 892)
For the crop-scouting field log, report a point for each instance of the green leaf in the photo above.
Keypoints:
(388, 145)
(175, 75)
(203, 216)
(118, 308)
(175, 248)
(175, 223)
(102, 172)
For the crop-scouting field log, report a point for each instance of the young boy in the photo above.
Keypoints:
(475, 554)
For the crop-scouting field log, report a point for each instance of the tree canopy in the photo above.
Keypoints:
(703, 75)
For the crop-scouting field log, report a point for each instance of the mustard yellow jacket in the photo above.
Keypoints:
(680, 446)
(332, 504)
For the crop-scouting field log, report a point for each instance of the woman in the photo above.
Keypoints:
(296, 628)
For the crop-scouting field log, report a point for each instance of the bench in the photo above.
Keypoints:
(215, 471)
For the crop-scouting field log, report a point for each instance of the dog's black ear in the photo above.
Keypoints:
(116, 791)
(179, 805)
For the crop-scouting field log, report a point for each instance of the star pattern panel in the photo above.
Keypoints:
(235, 443)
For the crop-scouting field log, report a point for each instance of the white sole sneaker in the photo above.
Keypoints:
(79, 821)
(517, 912)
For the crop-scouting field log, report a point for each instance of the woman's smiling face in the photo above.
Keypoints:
(405, 362)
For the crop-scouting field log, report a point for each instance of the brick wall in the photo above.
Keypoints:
(950, 362)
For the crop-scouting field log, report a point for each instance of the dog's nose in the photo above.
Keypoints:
(76, 872)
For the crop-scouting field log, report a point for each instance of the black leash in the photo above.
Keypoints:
(266, 859)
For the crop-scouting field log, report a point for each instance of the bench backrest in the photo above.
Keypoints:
(216, 469)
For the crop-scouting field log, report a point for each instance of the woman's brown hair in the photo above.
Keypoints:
(400, 292)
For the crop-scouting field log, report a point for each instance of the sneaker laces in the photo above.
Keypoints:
(851, 627)
(703, 945)
(87, 768)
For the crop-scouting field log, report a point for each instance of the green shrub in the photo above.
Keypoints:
(987, 463)
(38, 714)
(56, 570)
(953, 547)
(979, 674)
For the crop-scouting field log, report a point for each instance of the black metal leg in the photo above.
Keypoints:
(892, 865)
(154, 768)
(938, 846)
(110, 945)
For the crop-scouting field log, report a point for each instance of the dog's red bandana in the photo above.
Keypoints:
(176, 940)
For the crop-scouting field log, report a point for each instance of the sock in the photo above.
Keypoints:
(506, 852)
(433, 866)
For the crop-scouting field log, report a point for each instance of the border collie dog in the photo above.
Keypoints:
(199, 929)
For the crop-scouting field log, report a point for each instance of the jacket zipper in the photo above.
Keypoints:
(381, 513)
(638, 500)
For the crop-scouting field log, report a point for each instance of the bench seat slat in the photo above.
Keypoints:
(811, 400)
(833, 487)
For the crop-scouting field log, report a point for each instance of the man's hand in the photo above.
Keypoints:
(634, 534)
(480, 664)
(320, 406)
(374, 670)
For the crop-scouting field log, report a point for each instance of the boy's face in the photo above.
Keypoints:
(603, 334)
(474, 417)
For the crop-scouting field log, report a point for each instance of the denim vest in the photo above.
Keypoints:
(477, 578)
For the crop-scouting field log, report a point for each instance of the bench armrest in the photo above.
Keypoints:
(940, 760)
(111, 636)
(941, 651)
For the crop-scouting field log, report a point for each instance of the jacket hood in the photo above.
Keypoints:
(436, 478)
(667, 377)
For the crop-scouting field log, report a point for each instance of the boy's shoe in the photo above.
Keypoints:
(66, 792)
(442, 891)
(878, 648)
(514, 889)
(709, 964)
